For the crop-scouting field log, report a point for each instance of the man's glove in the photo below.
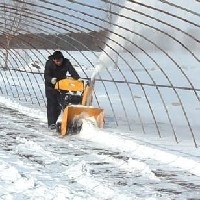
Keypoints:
(53, 81)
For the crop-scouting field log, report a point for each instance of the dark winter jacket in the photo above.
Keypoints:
(59, 72)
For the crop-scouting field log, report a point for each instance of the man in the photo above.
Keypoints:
(56, 69)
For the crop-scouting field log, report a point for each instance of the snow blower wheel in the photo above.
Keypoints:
(58, 127)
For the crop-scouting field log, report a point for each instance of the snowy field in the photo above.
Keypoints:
(149, 147)
(111, 163)
(95, 164)
(121, 101)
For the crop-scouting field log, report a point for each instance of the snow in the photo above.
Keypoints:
(95, 164)
(113, 162)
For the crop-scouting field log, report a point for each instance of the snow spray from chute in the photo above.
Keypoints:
(129, 21)
(117, 40)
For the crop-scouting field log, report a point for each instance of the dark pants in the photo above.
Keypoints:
(53, 109)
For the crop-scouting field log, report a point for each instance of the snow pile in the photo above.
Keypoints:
(90, 132)
(35, 113)
(33, 67)
(27, 147)
(15, 181)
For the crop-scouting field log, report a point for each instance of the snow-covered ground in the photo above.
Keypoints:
(36, 163)
(147, 92)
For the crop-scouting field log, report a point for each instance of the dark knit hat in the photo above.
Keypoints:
(57, 55)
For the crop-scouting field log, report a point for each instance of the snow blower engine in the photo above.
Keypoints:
(75, 99)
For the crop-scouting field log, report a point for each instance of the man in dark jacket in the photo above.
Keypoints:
(56, 69)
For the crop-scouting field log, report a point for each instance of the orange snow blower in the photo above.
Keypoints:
(75, 99)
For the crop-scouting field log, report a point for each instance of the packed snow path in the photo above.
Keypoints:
(38, 164)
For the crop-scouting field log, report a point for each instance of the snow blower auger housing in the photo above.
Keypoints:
(75, 99)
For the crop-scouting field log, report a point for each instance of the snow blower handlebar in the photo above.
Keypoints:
(77, 86)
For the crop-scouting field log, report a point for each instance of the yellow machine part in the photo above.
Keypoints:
(77, 112)
(87, 95)
(73, 113)
(70, 85)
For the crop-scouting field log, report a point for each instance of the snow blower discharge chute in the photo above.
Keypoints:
(75, 97)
